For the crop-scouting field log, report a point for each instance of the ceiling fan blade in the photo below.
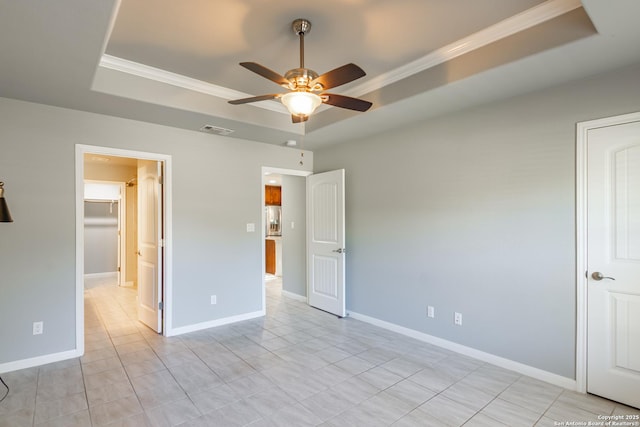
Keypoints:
(346, 102)
(265, 72)
(254, 99)
(299, 119)
(339, 76)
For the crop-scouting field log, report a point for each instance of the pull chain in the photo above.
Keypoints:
(302, 145)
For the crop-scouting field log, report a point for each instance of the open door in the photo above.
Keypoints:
(326, 242)
(122, 253)
(150, 244)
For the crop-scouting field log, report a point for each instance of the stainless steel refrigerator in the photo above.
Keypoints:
(273, 220)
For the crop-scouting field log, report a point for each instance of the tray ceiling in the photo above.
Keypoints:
(176, 63)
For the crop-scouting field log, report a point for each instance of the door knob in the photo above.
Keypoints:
(139, 253)
(599, 276)
(340, 250)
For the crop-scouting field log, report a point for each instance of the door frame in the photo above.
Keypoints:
(80, 151)
(263, 182)
(122, 225)
(582, 139)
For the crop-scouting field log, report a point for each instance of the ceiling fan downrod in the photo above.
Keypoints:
(301, 27)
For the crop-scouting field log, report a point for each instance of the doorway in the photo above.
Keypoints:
(161, 289)
(608, 292)
(284, 267)
(106, 233)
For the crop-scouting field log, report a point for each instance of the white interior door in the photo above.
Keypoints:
(122, 247)
(120, 253)
(150, 243)
(613, 257)
(325, 242)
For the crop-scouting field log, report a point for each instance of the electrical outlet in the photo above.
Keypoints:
(214, 299)
(431, 311)
(38, 328)
(457, 318)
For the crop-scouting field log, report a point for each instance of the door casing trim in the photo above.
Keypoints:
(167, 297)
(263, 182)
(582, 139)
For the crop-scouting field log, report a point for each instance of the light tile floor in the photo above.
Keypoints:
(295, 367)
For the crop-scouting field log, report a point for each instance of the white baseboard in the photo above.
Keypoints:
(39, 360)
(105, 275)
(93, 280)
(294, 296)
(521, 368)
(213, 323)
(57, 357)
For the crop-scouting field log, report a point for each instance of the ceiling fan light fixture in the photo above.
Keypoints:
(301, 103)
(302, 82)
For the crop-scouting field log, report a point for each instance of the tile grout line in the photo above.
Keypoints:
(84, 384)
(109, 333)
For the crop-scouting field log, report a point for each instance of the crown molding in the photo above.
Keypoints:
(543, 12)
(178, 80)
(536, 15)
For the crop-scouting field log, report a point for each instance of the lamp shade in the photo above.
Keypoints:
(301, 103)
(5, 216)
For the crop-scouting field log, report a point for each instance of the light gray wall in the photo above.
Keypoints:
(216, 192)
(475, 212)
(294, 190)
(100, 237)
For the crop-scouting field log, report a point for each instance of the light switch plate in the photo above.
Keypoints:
(251, 227)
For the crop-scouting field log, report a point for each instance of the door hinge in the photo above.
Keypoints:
(119, 269)
(161, 243)
(160, 305)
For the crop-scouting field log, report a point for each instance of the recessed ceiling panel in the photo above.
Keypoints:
(205, 39)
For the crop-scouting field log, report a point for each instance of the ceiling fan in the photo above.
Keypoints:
(306, 87)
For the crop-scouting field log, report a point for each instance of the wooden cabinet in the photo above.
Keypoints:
(270, 256)
(272, 195)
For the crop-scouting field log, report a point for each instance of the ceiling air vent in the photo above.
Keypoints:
(216, 130)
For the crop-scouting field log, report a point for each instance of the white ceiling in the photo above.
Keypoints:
(176, 62)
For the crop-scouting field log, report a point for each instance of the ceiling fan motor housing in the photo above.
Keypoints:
(300, 78)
